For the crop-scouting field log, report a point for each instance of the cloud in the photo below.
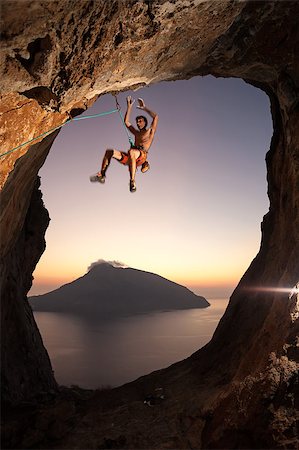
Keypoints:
(103, 261)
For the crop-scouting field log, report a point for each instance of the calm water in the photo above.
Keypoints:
(95, 354)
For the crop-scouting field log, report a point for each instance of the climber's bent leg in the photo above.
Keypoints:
(109, 154)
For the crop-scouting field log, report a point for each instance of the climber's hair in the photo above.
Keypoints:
(142, 117)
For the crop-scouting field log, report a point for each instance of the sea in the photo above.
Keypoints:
(95, 354)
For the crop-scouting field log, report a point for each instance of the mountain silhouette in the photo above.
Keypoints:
(109, 291)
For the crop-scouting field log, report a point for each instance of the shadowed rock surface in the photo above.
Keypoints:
(56, 59)
(107, 292)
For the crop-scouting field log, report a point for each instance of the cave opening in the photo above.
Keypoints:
(239, 390)
(195, 217)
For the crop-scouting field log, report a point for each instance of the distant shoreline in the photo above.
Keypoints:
(109, 291)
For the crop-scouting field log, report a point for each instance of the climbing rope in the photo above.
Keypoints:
(59, 126)
(131, 142)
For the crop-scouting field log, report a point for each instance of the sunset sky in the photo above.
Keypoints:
(195, 218)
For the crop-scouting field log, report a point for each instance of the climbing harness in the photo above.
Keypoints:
(71, 120)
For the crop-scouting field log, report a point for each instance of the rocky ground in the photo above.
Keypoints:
(184, 411)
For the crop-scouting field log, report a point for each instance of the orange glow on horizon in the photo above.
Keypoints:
(210, 286)
(66, 274)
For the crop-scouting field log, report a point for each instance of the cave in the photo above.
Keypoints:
(239, 390)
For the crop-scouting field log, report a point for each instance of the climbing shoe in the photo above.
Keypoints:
(145, 167)
(98, 177)
(132, 186)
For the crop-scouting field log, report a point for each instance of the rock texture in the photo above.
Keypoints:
(56, 59)
(22, 344)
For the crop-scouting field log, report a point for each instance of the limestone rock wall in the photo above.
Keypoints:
(27, 366)
(56, 59)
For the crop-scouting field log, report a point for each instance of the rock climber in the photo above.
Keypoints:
(137, 154)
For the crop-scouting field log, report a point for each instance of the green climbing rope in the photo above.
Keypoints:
(131, 142)
(56, 128)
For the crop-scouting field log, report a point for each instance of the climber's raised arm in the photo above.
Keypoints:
(128, 124)
(153, 114)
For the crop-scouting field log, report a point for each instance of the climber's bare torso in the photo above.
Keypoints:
(143, 138)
